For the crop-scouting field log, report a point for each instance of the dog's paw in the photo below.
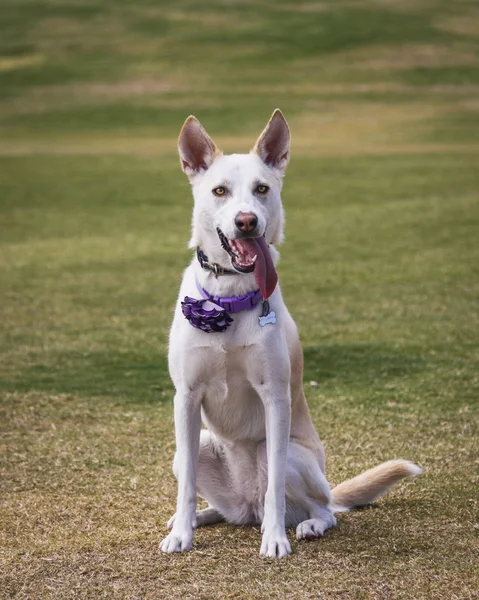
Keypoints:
(275, 544)
(177, 542)
(310, 529)
(314, 528)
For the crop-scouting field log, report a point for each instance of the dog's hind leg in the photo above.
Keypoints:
(308, 494)
(205, 516)
(212, 482)
(208, 516)
(315, 527)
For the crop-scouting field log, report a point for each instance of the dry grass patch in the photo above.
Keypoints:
(310, 89)
(89, 488)
(213, 19)
(57, 36)
(140, 86)
(306, 146)
(325, 127)
(410, 56)
(372, 127)
(146, 89)
(306, 7)
(402, 6)
(465, 24)
(11, 63)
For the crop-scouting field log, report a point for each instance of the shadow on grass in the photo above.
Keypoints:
(360, 363)
(143, 376)
(134, 376)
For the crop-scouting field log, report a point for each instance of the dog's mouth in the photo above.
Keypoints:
(241, 258)
(252, 255)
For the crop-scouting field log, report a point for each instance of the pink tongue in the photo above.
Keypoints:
(264, 271)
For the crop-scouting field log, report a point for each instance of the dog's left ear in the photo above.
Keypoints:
(273, 144)
(196, 149)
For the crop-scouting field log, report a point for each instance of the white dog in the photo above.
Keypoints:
(236, 362)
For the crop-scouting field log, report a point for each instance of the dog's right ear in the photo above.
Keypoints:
(196, 149)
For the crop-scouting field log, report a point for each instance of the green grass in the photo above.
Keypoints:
(379, 268)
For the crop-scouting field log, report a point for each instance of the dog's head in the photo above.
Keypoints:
(238, 210)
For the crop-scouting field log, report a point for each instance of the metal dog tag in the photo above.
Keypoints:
(267, 316)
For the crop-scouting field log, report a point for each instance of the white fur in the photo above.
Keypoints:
(259, 460)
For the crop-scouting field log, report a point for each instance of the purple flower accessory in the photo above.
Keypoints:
(205, 315)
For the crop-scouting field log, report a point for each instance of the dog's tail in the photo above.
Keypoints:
(366, 487)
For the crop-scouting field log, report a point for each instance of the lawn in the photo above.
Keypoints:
(380, 270)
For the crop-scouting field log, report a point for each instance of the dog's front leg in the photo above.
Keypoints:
(187, 431)
(277, 408)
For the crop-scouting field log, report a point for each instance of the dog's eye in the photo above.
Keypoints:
(261, 189)
(219, 191)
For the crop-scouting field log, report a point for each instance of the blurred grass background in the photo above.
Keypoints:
(380, 270)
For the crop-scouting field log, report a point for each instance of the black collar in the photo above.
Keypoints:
(213, 267)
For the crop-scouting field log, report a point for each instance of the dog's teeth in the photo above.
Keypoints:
(253, 260)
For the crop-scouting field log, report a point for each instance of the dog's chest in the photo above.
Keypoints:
(231, 407)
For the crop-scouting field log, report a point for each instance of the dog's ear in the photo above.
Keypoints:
(196, 149)
(273, 144)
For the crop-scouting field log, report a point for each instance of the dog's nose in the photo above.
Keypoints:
(246, 222)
